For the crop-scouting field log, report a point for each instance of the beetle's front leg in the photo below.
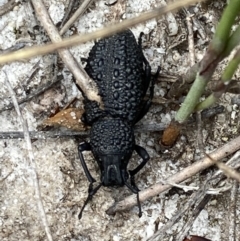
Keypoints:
(85, 146)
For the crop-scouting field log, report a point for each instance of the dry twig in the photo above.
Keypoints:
(68, 11)
(32, 164)
(232, 212)
(35, 93)
(191, 49)
(228, 171)
(147, 127)
(42, 135)
(159, 235)
(204, 199)
(75, 16)
(8, 7)
(82, 79)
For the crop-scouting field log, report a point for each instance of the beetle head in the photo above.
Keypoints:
(113, 170)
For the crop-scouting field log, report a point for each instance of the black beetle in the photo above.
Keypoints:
(123, 76)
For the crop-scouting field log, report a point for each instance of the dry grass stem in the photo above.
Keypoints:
(228, 171)
(76, 15)
(191, 48)
(232, 212)
(32, 164)
(191, 201)
(201, 202)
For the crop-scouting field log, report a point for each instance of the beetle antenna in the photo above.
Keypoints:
(91, 193)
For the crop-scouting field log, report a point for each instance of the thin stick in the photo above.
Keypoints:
(232, 212)
(7, 7)
(43, 135)
(82, 79)
(191, 49)
(179, 177)
(159, 235)
(68, 12)
(195, 213)
(69, 133)
(35, 93)
(75, 16)
(228, 171)
(33, 169)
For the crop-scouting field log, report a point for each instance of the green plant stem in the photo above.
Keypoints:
(213, 56)
(231, 68)
(192, 99)
(223, 86)
(224, 26)
(233, 41)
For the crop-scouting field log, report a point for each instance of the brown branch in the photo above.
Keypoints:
(179, 177)
(82, 79)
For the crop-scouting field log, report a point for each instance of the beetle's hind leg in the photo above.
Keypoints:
(92, 111)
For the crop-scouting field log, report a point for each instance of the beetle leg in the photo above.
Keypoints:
(85, 146)
(140, 39)
(92, 111)
(91, 192)
(144, 155)
(147, 103)
(133, 187)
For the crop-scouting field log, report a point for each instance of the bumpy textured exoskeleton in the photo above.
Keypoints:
(123, 76)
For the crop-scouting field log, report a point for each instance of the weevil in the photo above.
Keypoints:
(123, 76)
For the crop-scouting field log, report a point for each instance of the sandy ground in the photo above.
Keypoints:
(63, 192)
